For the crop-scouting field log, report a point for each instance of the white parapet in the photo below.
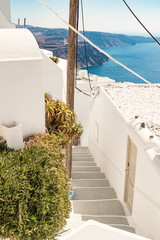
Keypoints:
(13, 134)
(82, 74)
(94, 77)
(92, 230)
(105, 80)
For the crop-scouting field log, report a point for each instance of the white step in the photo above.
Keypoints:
(98, 207)
(83, 163)
(79, 148)
(90, 183)
(85, 175)
(83, 159)
(82, 155)
(81, 152)
(86, 169)
(123, 227)
(106, 219)
(94, 193)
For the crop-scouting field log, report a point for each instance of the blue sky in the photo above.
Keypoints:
(100, 15)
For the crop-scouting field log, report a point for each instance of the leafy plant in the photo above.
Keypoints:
(54, 59)
(34, 190)
(60, 119)
(49, 109)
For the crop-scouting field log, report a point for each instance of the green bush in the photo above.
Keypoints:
(34, 190)
(3, 144)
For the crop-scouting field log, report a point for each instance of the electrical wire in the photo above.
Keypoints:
(94, 45)
(141, 22)
(83, 92)
(77, 53)
(85, 46)
(77, 41)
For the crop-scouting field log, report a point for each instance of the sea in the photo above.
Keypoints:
(143, 58)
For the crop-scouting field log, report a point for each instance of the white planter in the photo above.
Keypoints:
(13, 134)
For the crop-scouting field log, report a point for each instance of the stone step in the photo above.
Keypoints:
(94, 193)
(82, 155)
(81, 151)
(79, 148)
(123, 227)
(86, 175)
(83, 159)
(83, 163)
(86, 169)
(106, 219)
(90, 183)
(98, 207)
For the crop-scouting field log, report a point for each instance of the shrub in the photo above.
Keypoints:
(34, 190)
(3, 144)
(60, 119)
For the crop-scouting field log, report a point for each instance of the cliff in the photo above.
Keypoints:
(56, 40)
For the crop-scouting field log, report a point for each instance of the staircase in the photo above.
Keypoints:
(93, 197)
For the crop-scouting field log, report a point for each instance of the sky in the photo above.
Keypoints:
(100, 15)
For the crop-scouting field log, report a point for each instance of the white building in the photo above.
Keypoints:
(124, 138)
(22, 82)
(26, 74)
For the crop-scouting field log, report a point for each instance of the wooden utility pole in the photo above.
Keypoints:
(73, 18)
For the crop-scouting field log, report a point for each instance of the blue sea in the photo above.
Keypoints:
(143, 58)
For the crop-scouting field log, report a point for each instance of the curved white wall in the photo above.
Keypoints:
(21, 81)
(108, 135)
(18, 45)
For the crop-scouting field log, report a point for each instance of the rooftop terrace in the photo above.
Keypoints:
(138, 100)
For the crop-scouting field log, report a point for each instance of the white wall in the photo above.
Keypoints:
(5, 14)
(62, 64)
(5, 8)
(82, 103)
(81, 106)
(108, 135)
(21, 81)
(53, 78)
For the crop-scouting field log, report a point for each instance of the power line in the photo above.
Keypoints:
(140, 22)
(83, 92)
(85, 46)
(77, 39)
(77, 53)
(94, 45)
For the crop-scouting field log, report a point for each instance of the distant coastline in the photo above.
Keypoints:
(56, 40)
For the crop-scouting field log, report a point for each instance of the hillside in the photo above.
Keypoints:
(56, 40)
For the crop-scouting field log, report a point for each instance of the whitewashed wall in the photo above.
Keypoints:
(81, 106)
(82, 103)
(62, 64)
(5, 14)
(21, 81)
(53, 78)
(108, 135)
